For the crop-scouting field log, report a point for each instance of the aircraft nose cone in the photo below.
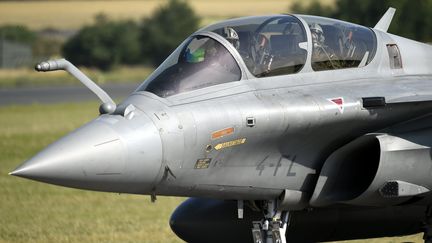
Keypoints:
(92, 149)
(110, 153)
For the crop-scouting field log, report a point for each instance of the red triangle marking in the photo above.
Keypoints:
(339, 102)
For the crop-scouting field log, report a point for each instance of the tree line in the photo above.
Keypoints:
(107, 43)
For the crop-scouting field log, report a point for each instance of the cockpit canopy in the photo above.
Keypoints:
(338, 44)
(269, 46)
(265, 46)
(199, 62)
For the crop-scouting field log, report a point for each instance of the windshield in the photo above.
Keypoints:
(338, 44)
(269, 45)
(200, 62)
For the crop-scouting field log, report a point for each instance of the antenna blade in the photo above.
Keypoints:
(385, 21)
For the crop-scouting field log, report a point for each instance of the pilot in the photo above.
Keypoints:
(255, 55)
(317, 35)
(323, 58)
(348, 49)
(232, 37)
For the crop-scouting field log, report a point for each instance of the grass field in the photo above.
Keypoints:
(15, 78)
(73, 14)
(36, 212)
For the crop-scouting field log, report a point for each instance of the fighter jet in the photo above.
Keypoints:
(281, 128)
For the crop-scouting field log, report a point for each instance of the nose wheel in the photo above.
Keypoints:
(272, 228)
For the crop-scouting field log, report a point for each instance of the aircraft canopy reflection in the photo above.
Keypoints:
(263, 46)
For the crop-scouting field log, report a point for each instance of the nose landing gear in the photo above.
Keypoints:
(272, 228)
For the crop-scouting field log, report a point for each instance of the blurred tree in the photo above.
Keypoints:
(45, 48)
(107, 43)
(17, 33)
(412, 19)
(162, 32)
(313, 8)
(104, 44)
(365, 12)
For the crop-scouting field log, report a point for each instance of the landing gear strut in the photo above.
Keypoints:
(272, 228)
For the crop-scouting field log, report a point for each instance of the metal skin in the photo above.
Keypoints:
(287, 141)
(197, 219)
(110, 153)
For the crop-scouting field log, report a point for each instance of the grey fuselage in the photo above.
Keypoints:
(297, 126)
(282, 129)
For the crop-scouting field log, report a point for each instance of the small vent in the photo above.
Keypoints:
(250, 121)
(390, 189)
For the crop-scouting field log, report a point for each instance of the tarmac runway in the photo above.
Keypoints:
(61, 94)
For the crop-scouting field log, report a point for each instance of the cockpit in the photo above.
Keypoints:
(337, 44)
(261, 46)
(269, 46)
(199, 62)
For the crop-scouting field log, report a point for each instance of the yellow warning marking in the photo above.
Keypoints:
(223, 132)
(202, 163)
(230, 143)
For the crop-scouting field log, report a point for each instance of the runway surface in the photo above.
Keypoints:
(61, 94)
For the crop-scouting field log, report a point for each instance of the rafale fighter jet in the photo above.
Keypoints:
(283, 128)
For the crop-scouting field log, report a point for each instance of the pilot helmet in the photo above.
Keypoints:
(317, 33)
(196, 56)
(231, 35)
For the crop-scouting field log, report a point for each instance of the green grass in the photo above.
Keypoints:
(37, 212)
(13, 78)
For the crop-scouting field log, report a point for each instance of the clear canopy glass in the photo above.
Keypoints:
(338, 44)
(200, 62)
(269, 45)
